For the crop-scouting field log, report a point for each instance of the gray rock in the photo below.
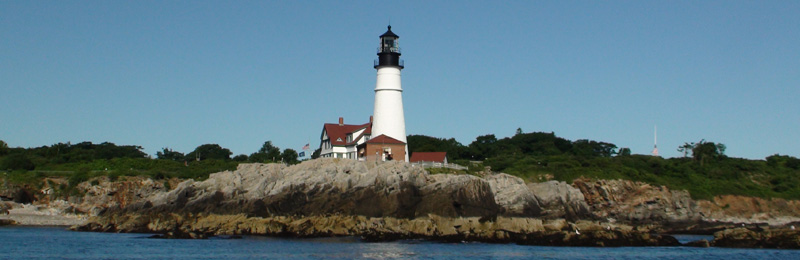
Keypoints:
(560, 200)
(329, 186)
(513, 196)
(638, 202)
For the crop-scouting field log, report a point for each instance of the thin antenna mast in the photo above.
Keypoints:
(655, 140)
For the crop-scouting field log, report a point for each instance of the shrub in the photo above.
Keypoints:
(17, 161)
(77, 178)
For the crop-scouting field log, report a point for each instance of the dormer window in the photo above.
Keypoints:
(349, 138)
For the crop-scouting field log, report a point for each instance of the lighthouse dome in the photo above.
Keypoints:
(389, 33)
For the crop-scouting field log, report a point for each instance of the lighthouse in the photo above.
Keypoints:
(384, 137)
(388, 117)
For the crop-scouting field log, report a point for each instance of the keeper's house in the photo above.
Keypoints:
(341, 140)
(356, 142)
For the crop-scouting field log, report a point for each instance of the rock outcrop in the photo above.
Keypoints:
(394, 200)
(560, 200)
(757, 238)
(327, 186)
(513, 196)
(638, 202)
(118, 193)
(741, 209)
(526, 231)
(386, 201)
(18, 194)
(4, 207)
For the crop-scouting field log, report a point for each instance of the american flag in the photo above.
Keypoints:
(306, 147)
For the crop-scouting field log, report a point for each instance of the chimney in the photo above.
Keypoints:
(341, 121)
(370, 119)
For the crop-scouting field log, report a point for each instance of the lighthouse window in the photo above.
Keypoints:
(389, 43)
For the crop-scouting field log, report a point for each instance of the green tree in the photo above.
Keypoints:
(536, 143)
(704, 151)
(686, 148)
(289, 156)
(17, 161)
(267, 153)
(270, 150)
(422, 143)
(483, 147)
(108, 150)
(210, 151)
(169, 154)
(3, 148)
(793, 163)
(624, 151)
(316, 153)
(777, 160)
(589, 148)
(240, 158)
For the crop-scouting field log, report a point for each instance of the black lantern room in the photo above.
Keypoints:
(389, 51)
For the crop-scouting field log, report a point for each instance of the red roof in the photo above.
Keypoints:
(383, 139)
(428, 157)
(338, 133)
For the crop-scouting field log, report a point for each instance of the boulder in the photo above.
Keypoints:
(560, 200)
(513, 196)
(5, 206)
(7, 222)
(757, 238)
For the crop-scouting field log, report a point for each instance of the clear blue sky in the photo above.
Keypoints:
(179, 74)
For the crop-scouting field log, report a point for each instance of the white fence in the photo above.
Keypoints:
(439, 165)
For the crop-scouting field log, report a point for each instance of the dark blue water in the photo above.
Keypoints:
(57, 243)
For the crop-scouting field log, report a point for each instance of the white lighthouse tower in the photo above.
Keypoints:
(388, 118)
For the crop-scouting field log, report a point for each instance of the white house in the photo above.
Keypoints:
(341, 140)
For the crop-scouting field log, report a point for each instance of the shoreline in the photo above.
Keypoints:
(523, 231)
(33, 215)
(395, 201)
(502, 230)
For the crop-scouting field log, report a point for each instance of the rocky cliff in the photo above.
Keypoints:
(637, 202)
(323, 191)
(741, 209)
(328, 186)
(383, 201)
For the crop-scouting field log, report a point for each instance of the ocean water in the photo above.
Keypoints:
(58, 243)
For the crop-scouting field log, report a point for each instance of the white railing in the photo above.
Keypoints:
(439, 165)
(390, 49)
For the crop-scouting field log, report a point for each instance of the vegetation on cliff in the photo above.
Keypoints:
(705, 171)
(82, 161)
